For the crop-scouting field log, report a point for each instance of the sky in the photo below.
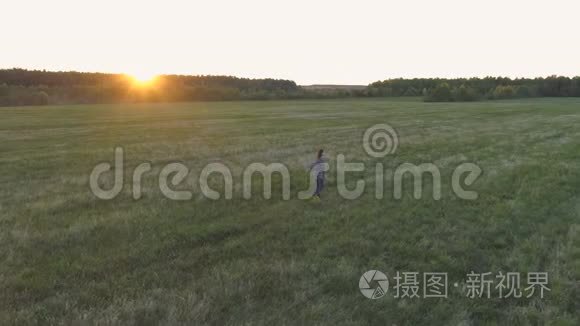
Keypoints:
(308, 41)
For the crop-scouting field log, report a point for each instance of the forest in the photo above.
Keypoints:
(474, 89)
(34, 87)
(39, 87)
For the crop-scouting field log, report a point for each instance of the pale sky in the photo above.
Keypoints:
(308, 41)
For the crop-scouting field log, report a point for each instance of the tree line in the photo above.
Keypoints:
(474, 89)
(39, 87)
(36, 87)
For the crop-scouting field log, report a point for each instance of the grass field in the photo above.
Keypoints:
(68, 257)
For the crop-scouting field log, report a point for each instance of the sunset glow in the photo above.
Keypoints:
(143, 78)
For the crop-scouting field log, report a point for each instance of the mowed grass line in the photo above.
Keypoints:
(68, 257)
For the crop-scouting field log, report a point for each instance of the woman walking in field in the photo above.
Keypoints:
(318, 169)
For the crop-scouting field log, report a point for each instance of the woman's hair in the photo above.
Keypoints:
(320, 151)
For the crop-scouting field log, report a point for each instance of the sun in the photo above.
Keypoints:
(143, 78)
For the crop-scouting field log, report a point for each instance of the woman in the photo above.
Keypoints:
(318, 168)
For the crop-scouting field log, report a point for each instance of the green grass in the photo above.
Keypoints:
(67, 257)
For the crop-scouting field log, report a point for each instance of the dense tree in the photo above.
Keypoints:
(502, 92)
(465, 94)
(441, 93)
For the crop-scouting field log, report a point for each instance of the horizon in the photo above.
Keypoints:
(343, 43)
(298, 84)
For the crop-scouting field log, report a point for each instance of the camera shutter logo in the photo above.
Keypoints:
(373, 278)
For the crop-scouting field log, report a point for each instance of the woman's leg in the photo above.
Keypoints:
(319, 186)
